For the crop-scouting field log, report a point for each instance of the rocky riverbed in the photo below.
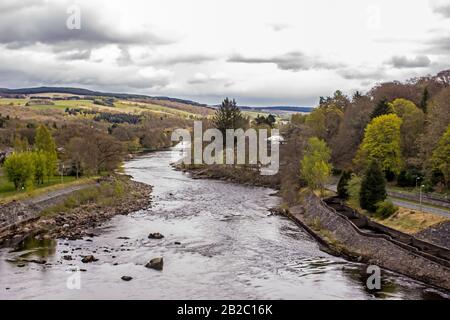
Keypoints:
(77, 222)
(200, 239)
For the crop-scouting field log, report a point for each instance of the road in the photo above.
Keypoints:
(415, 206)
(409, 204)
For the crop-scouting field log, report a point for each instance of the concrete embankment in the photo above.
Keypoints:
(343, 237)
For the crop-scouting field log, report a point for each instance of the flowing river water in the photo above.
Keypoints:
(220, 243)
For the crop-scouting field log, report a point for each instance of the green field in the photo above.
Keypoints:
(7, 189)
(119, 106)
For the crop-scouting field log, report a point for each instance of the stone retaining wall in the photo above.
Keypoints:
(372, 249)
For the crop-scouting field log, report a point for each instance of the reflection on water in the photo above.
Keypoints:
(219, 243)
(32, 247)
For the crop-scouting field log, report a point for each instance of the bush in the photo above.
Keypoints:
(373, 187)
(408, 178)
(385, 209)
(342, 185)
(20, 170)
(353, 188)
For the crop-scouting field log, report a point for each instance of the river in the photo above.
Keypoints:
(220, 243)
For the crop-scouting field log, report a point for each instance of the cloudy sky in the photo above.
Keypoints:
(264, 52)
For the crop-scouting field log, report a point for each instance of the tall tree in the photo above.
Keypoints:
(373, 187)
(381, 108)
(424, 99)
(41, 168)
(343, 184)
(438, 118)
(315, 167)
(228, 116)
(19, 169)
(382, 143)
(45, 143)
(44, 140)
(441, 156)
(412, 126)
(351, 132)
(324, 121)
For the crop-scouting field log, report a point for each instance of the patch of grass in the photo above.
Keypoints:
(14, 102)
(105, 194)
(8, 193)
(411, 221)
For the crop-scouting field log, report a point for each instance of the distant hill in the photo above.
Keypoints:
(86, 92)
(170, 102)
(279, 108)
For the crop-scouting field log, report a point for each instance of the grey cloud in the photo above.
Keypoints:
(294, 61)
(125, 58)
(279, 26)
(362, 74)
(46, 23)
(184, 58)
(401, 62)
(439, 45)
(442, 9)
(75, 55)
(25, 71)
(8, 6)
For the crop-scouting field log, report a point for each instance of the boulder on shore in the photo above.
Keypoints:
(155, 263)
(89, 258)
(155, 235)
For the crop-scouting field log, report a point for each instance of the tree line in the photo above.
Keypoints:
(398, 130)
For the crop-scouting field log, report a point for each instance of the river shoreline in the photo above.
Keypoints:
(77, 222)
(230, 173)
(326, 237)
(220, 240)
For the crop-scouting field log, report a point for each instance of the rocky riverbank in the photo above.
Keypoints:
(236, 174)
(343, 238)
(80, 212)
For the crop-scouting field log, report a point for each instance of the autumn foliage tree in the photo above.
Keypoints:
(441, 156)
(46, 147)
(315, 167)
(382, 143)
(19, 169)
(412, 126)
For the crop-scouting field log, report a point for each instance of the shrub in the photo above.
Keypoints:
(353, 188)
(373, 187)
(342, 185)
(385, 209)
(19, 169)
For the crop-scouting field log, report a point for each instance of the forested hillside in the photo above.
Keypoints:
(404, 126)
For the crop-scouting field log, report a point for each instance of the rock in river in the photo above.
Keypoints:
(155, 235)
(88, 259)
(126, 278)
(155, 263)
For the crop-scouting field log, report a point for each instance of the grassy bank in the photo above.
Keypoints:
(104, 194)
(76, 215)
(8, 193)
(411, 221)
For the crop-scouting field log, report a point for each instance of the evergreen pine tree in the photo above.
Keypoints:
(373, 187)
(228, 116)
(342, 185)
(381, 108)
(424, 100)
